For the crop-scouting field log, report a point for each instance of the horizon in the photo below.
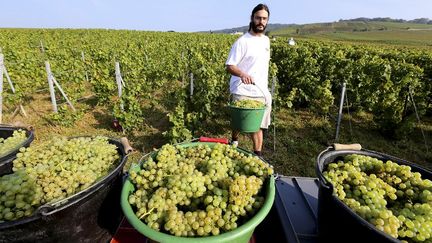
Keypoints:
(236, 27)
(190, 16)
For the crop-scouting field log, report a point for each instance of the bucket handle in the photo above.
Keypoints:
(205, 139)
(262, 92)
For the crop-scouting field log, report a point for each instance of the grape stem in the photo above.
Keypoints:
(146, 213)
(60, 164)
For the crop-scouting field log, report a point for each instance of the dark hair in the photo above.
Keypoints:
(257, 8)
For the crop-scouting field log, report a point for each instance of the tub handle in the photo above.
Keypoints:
(126, 145)
(353, 146)
(20, 125)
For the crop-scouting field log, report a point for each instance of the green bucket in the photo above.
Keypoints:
(246, 119)
(242, 234)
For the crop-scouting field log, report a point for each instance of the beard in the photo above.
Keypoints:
(255, 28)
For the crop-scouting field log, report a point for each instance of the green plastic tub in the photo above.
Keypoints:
(242, 234)
(246, 119)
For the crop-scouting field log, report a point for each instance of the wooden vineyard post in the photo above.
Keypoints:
(340, 112)
(191, 91)
(273, 90)
(4, 71)
(51, 86)
(191, 85)
(418, 117)
(63, 93)
(183, 74)
(85, 68)
(120, 83)
(51, 82)
(42, 49)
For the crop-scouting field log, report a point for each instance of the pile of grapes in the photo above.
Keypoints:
(249, 104)
(388, 195)
(11, 143)
(53, 170)
(198, 191)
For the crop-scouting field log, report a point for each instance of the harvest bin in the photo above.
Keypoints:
(91, 215)
(336, 220)
(246, 119)
(5, 132)
(242, 234)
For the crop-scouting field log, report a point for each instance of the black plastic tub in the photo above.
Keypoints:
(91, 215)
(336, 221)
(5, 132)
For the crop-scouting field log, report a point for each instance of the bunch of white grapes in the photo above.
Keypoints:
(13, 142)
(198, 190)
(388, 195)
(248, 104)
(53, 170)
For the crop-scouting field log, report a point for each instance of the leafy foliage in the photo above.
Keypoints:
(310, 74)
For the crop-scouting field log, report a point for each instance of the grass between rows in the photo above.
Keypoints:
(291, 145)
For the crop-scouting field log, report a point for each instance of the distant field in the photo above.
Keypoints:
(375, 32)
(417, 37)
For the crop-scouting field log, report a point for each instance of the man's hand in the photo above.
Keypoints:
(247, 79)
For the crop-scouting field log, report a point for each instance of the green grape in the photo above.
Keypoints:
(249, 104)
(54, 170)
(13, 142)
(200, 191)
(390, 196)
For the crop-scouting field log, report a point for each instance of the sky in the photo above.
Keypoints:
(195, 15)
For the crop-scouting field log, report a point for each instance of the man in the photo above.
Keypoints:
(248, 63)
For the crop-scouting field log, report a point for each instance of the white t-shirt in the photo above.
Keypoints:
(251, 54)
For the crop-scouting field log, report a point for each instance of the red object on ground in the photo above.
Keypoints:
(213, 140)
(127, 234)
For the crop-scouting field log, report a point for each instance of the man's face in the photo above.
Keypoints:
(259, 21)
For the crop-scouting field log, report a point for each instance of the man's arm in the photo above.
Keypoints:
(234, 70)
